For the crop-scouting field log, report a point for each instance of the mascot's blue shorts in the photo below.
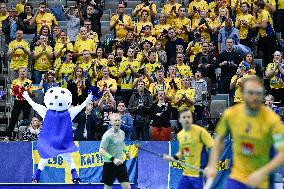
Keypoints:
(190, 183)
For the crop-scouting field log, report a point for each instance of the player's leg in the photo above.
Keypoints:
(184, 183)
(122, 176)
(108, 175)
(41, 165)
(70, 162)
(233, 184)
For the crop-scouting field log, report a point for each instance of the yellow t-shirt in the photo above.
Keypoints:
(43, 62)
(88, 70)
(128, 79)
(57, 48)
(147, 8)
(81, 45)
(190, 94)
(159, 28)
(150, 38)
(194, 48)
(46, 19)
(110, 83)
(2, 18)
(275, 81)
(183, 70)
(280, 4)
(120, 30)
(140, 24)
(20, 8)
(201, 5)
(27, 84)
(167, 9)
(191, 146)
(263, 15)
(19, 58)
(243, 29)
(151, 68)
(65, 73)
(254, 137)
(155, 87)
(91, 35)
(238, 92)
(178, 24)
(205, 34)
(113, 70)
(238, 8)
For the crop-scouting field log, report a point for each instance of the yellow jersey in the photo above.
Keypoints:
(205, 34)
(120, 30)
(110, 83)
(2, 18)
(147, 8)
(275, 82)
(199, 5)
(140, 25)
(158, 30)
(150, 38)
(261, 16)
(280, 4)
(91, 35)
(178, 24)
(88, 70)
(26, 83)
(151, 68)
(194, 49)
(253, 137)
(244, 29)
(46, 19)
(57, 48)
(190, 94)
(194, 145)
(128, 78)
(43, 62)
(65, 73)
(155, 87)
(20, 8)
(183, 70)
(19, 58)
(113, 70)
(81, 45)
(238, 92)
(167, 9)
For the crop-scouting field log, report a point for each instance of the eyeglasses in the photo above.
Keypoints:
(251, 92)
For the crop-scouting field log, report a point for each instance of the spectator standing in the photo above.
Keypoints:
(269, 102)
(255, 68)
(227, 32)
(91, 34)
(26, 17)
(107, 81)
(60, 47)
(182, 68)
(139, 106)
(43, 18)
(94, 13)
(171, 10)
(274, 72)
(18, 51)
(228, 62)
(4, 13)
(161, 29)
(201, 93)
(32, 132)
(195, 7)
(161, 116)
(182, 25)
(126, 121)
(147, 5)
(18, 86)
(48, 81)
(20, 7)
(171, 44)
(89, 124)
(42, 55)
(162, 55)
(45, 31)
(144, 21)
(73, 23)
(121, 23)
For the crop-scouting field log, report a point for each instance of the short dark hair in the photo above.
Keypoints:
(28, 5)
(151, 51)
(42, 3)
(246, 4)
(67, 52)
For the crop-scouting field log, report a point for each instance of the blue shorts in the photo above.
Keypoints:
(233, 184)
(190, 183)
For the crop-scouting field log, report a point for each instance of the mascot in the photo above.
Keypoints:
(56, 136)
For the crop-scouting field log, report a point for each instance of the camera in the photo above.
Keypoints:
(202, 21)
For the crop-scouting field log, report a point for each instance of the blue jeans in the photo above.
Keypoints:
(190, 183)
(37, 75)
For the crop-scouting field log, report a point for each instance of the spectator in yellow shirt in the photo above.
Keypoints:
(121, 22)
(171, 10)
(19, 52)
(43, 18)
(84, 44)
(143, 22)
(147, 35)
(204, 25)
(194, 47)
(42, 55)
(89, 67)
(219, 21)
(152, 65)
(185, 97)
(20, 6)
(112, 66)
(182, 25)
(91, 34)
(182, 68)
(107, 81)
(161, 29)
(147, 5)
(245, 23)
(4, 13)
(160, 84)
(100, 60)
(61, 46)
(215, 6)
(195, 7)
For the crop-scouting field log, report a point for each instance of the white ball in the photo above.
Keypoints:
(58, 99)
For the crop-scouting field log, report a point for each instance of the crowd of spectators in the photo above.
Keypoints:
(156, 64)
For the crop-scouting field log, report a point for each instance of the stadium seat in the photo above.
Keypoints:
(225, 97)
(277, 180)
(217, 107)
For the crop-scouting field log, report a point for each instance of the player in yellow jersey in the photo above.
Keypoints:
(194, 143)
(254, 129)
